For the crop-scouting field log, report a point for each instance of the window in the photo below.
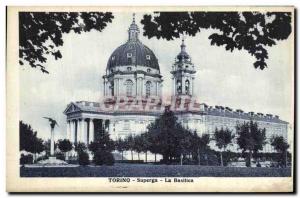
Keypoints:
(148, 57)
(129, 55)
(112, 88)
(148, 88)
(178, 86)
(128, 68)
(113, 58)
(129, 86)
(187, 87)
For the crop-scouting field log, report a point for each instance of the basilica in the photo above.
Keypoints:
(132, 92)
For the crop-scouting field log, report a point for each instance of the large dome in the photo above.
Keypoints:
(133, 52)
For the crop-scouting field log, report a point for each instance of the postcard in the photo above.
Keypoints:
(150, 99)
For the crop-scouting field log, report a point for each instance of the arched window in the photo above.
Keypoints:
(187, 87)
(178, 83)
(148, 88)
(129, 87)
(112, 88)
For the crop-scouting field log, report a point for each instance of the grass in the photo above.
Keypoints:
(146, 170)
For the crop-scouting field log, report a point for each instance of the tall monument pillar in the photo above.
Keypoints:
(52, 142)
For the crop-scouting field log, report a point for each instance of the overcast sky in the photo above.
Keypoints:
(222, 78)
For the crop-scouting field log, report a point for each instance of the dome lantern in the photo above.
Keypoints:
(133, 31)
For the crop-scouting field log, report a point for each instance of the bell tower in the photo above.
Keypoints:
(183, 74)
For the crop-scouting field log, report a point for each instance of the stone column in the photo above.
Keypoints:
(143, 87)
(73, 133)
(82, 131)
(107, 126)
(91, 130)
(68, 130)
(78, 130)
(85, 132)
(174, 86)
(192, 87)
(115, 87)
(104, 87)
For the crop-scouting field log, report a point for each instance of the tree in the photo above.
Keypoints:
(250, 31)
(120, 146)
(145, 144)
(168, 134)
(80, 147)
(154, 143)
(65, 146)
(223, 138)
(47, 145)
(199, 145)
(130, 144)
(102, 149)
(281, 146)
(250, 138)
(138, 145)
(29, 140)
(40, 33)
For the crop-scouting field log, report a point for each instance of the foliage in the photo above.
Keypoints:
(250, 31)
(65, 145)
(102, 157)
(103, 142)
(120, 145)
(47, 145)
(80, 147)
(102, 149)
(250, 138)
(60, 156)
(26, 159)
(83, 158)
(281, 146)
(169, 137)
(40, 33)
(129, 141)
(223, 138)
(29, 140)
(138, 142)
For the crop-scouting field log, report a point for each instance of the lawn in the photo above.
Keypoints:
(146, 170)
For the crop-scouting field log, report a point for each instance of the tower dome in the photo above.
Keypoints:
(133, 52)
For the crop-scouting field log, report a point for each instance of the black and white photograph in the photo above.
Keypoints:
(142, 98)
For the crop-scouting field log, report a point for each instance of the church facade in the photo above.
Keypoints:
(133, 99)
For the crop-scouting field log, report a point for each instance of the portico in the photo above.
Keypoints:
(83, 127)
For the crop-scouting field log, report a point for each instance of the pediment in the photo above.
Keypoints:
(71, 108)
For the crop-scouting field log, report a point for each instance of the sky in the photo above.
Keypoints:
(223, 78)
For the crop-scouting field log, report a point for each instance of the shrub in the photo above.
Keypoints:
(44, 157)
(83, 159)
(60, 156)
(26, 159)
(103, 157)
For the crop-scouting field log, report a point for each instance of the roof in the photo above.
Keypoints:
(133, 52)
(140, 55)
(156, 110)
